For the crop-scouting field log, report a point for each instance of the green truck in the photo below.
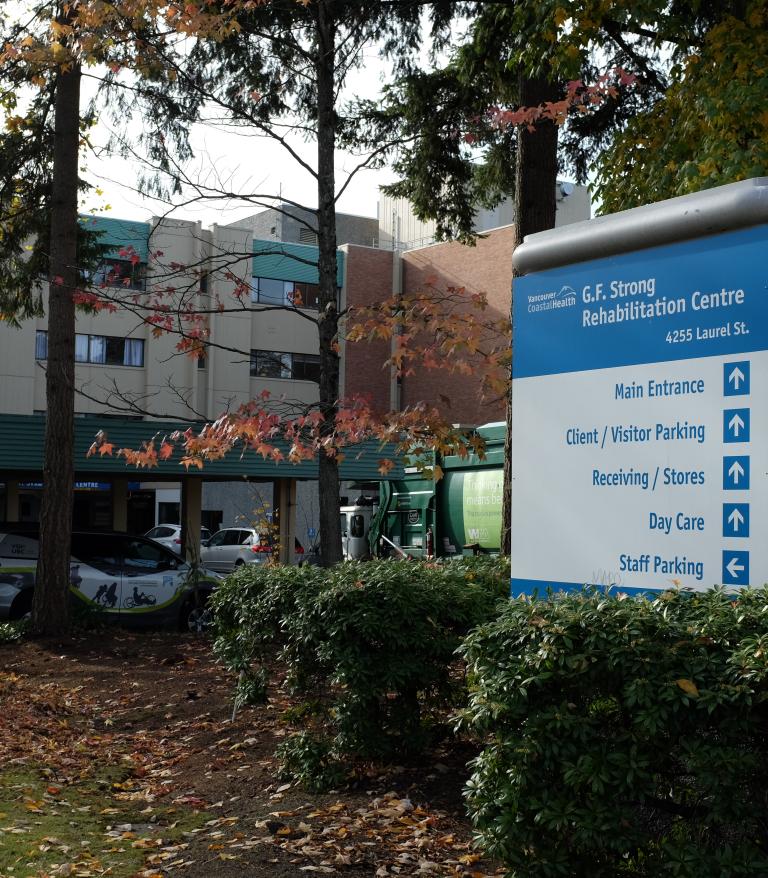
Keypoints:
(417, 516)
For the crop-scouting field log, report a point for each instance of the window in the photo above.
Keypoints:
(269, 291)
(308, 295)
(120, 273)
(102, 552)
(270, 364)
(306, 367)
(142, 557)
(108, 350)
(41, 345)
(274, 364)
(357, 526)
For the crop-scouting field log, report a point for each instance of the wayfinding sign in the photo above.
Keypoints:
(640, 412)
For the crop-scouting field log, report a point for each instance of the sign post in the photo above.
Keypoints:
(640, 398)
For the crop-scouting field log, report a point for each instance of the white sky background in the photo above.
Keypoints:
(247, 161)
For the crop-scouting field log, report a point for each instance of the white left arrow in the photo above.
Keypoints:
(734, 568)
(736, 424)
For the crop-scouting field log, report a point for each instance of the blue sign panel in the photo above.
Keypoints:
(735, 568)
(736, 425)
(735, 519)
(640, 413)
(736, 378)
(736, 473)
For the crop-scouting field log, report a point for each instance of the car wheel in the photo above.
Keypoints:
(21, 608)
(239, 563)
(196, 617)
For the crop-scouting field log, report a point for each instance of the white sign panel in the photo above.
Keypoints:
(640, 419)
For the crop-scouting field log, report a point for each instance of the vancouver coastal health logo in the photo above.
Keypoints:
(565, 298)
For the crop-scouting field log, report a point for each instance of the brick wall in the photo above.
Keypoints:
(486, 268)
(368, 280)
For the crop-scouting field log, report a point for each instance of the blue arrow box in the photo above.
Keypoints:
(736, 473)
(736, 378)
(735, 519)
(735, 568)
(736, 425)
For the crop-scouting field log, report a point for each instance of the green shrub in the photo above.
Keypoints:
(310, 759)
(250, 609)
(387, 633)
(10, 632)
(489, 572)
(376, 639)
(625, 737)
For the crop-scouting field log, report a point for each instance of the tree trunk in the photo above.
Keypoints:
(50, 608)
(328, 317)
(536, 179)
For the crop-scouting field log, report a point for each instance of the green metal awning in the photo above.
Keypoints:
(22, 440)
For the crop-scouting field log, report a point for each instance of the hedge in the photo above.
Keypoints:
(624, 736)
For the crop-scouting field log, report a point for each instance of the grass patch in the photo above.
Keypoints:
(82, 827)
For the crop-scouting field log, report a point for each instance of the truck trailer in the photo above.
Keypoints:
(419, 516)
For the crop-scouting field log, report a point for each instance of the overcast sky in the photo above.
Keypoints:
(246, 162)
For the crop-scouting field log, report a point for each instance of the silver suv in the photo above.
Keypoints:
(169, 535)
(232, 547)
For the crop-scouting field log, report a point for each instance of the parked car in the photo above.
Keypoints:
(231, 547)
(169, 535)
(127, 578)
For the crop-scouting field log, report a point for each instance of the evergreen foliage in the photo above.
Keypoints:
(375, 642)
(625, 736)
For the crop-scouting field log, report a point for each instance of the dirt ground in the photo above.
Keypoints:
(159, 704)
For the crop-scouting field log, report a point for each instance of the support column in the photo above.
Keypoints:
(191, 506)
(284, 502)
(120, 504)
(12, 500)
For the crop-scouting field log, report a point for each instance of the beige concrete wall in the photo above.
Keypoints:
(18, 367)
(229, 382)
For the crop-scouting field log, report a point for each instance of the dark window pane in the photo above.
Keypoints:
(307, 295)
(270, 364)
(357, 527)
(100, 551)
(114, 348)
(306, 367)
(143, 557)
(120, 273)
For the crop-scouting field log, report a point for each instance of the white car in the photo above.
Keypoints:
(127, 579)
(169, 535)
(232, 547)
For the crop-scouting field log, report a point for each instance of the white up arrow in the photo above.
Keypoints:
(736, 471)
(735, 519)
(736, 377)
(734, 568)
(736, 424)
